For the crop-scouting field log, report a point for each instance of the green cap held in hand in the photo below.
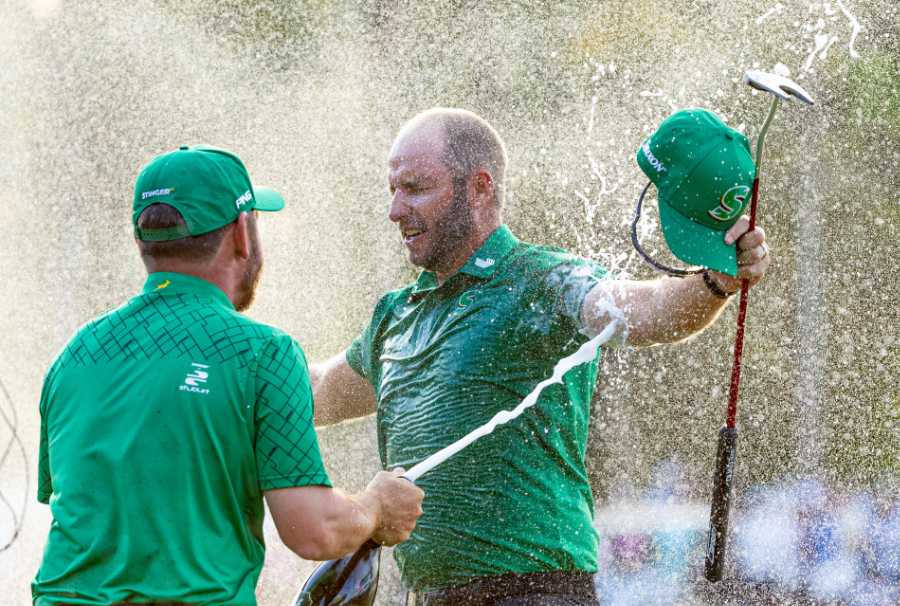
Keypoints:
(209, 187)
(703, 173)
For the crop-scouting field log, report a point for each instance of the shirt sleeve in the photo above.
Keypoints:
(287, 449)
(363, 354)
(569, 283)
(355, 356)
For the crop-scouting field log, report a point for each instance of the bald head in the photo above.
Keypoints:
(470, 144)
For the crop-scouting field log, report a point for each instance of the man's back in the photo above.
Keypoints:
(162, 423)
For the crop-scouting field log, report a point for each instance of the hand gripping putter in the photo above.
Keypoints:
(726, 452)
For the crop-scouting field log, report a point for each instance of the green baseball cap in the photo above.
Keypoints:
(703, 173)
(210, 187)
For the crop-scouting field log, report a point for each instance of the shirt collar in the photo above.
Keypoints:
(171, 283)
(485, 261)
(482, 264)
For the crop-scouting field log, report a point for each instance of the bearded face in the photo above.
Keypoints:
(429, 202)
(253, 270)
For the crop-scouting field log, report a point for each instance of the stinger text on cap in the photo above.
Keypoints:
(703, 173)
(210, 187)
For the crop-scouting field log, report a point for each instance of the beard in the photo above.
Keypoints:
(250, 280)
(452, 229)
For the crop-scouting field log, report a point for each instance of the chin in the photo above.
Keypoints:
(427, 264)
(418, 260)
(245, 302)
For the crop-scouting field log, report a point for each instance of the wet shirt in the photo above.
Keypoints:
(443, 360)
(162, 423)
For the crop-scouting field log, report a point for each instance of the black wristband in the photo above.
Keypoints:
(715, 288)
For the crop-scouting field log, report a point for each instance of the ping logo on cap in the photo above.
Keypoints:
(243, 199)
(731, 204)
(163, 191)
(660, 168)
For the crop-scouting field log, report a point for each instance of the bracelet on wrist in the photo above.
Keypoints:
(715, 288)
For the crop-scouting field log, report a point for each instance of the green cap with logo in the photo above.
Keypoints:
(210, 187)
(703, 173)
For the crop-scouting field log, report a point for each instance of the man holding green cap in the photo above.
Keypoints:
(509, 520)
(165, 422)
(703, 172)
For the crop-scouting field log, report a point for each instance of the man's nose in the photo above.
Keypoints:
(398, 208)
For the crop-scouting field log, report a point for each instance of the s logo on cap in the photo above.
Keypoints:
(731, 204)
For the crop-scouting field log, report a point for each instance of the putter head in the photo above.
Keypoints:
(781, 87)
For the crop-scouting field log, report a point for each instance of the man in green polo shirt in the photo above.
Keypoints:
(165, 422)
(510, 519)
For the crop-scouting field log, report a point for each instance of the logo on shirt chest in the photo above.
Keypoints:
(466, 299)
(196, 379)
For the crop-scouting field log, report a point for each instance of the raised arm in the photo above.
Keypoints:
(339, 392)
(322, 523)
(667, 310)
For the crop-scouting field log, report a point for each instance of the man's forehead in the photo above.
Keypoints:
(423, 144)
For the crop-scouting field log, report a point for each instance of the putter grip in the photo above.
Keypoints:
(726, 457)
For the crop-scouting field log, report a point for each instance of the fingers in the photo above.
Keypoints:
(753, 263)
(737, 230)
(752, 255)
(401, 507)
(751, 239)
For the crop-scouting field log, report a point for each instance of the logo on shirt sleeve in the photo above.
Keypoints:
(196, 379)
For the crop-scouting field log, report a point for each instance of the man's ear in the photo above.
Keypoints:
(241, 236)
(481, 188)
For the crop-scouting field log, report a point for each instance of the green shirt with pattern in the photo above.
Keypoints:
(443, 360)
(162, 423)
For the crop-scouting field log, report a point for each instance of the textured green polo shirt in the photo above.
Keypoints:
(162, 423)
(443, 360)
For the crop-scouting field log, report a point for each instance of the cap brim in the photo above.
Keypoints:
(267, 199)
(696, 244)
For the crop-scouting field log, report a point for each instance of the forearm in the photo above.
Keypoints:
(321, 523)
(678, 308)
(350, 521)
(665, 310)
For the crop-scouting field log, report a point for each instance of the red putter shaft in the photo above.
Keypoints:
(742, 315)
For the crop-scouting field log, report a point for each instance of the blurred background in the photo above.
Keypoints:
(310, 94)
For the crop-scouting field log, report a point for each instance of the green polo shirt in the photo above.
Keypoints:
(443, 360)
(162, 423)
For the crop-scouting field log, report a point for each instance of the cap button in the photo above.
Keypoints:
(183, 147)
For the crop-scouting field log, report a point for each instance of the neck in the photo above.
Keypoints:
(465, 251)
(209, 273)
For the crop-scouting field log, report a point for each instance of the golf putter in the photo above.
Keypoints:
(726, 452)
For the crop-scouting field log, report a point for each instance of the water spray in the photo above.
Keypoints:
(726, 452)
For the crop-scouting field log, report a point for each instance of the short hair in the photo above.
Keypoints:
(470, 143)
(190, 248)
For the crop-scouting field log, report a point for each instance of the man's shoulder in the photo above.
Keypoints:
(392, 297)
(535, 258)
(150, 327)
(237, 331)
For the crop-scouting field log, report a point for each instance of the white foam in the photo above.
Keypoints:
(775, 10)
(854, 23)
